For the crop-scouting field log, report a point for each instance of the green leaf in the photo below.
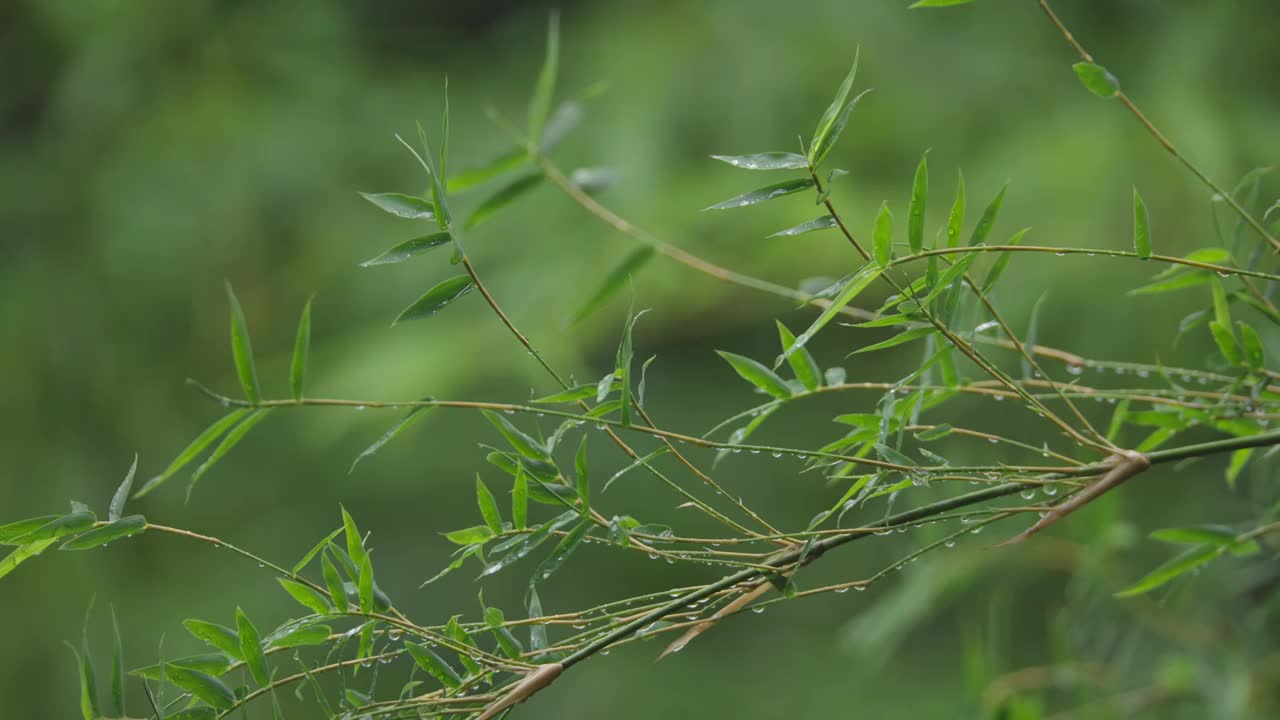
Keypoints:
(251, 648)
(308, 596)
(1097, 79)
(580, 469)
(88, 691)
(537, 631)
(522, 546)
(826, 222)
(506, 162)
(558, 556)
(306, 559)
(988, 219)
(364, 584)
(821, 135)
(116, 508)
(1226, 342)
(919, 194)
(622, 367)
(333, 581)
(614, 281)
(1186, 562)
(544, 90)
(1217, 536)
(801, 360)
(405, 206)
(572, 395)
(763, 194)
(470, 536)
(1177, 282)
(934, 433)
(1239, 459)
(354, 540)
(1141, 227)
(520, 500)
(219, 636)
(434, 300)
(848, 290)
(117, 668)
(882, 236)
(1002, 262)
(122, 528)
(210, 663)
(518, 440)
(409, 248)
(197, 446)
(955, 220)
(905, 336)
(200, 712)
(401, 425)
(304, 636)
(21, 554)
(232, 439)
(1252, 345)
(241, 350)
(488, 506)
(75, 522)
(893, 456)
(503, 197)
(757, 374)
(11, 532)
(937, 3)
(433, 664)
(205, 687)
(766, 161)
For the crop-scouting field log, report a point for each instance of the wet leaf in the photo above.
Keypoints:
(409, 248)
(882, 236)
(435, 299)
(242, 350)
(401, 425)
(251, 648)
(503, 197)
(122, 528)
(766, 161)
(116, 508)
(197, 446)
(757, 374)
(433, 664)
(405, 206)
(1141, 227)
(558, 556)
(308, 596)
(919, 194)
(205, 687)
(826, 222)
(801, 360)
(763, 194)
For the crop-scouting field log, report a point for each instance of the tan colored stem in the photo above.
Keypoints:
(1124, 465)
(532, 683)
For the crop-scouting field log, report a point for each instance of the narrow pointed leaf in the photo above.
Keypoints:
(937, 3)
(801, 360)
(757, 374)
(766, 161)
(1002, 262)
(409, 248)
(544, 90)
(848, 290)
(364, 584)
(828, 119)
(242, 350)
(205, 687)
(488, 506)
(122, 528)
(117, 668)
(116, 508)
(1226, 342)
(1184, 563)
(251, 648)
(21, 554)
(826, 222)
(882, 236)
(902, 337)
(333, 581)
(434, 300)
(88, 691)
(988, 219)
(197, 446)
(955, 220)
(308, 596)
(233, 438)
(401, 425)
(522, 443)
(218, 636)
(558, 556)
(520, 500)
(503, 197)
(763, 194)
(919, 195)
(1141, 227)
(10, 533)
(433, 664)
(614, 281)
(405, 206)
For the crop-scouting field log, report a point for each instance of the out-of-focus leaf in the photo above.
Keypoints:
(11, 532)
(937, 3)
(122, 528)
(919, 195)
(242, 350)
(21, 554)
(1226, 341)
(572, 395)
(1251, 344)
(405, 206)
(757, 374)
(503, 197)
(500, 164)
(522, 546)
(1141, 227)
(1177, 282)
(544, 90)
(1184, 563)
(769, 192)
(766, 161)
(408, 249)
(592, 180)
(614, 281)
(210, 663)
(434, 300)
(1097, 79)
(117, 668)
(88, 691)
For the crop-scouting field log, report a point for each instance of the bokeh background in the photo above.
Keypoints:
(150, 150)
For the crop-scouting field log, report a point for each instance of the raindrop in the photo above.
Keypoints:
(976, 530)
(993, 440)
(359, 407)
(262, 564)
(950, 543)
(758, 609)
(841, 591)
(1050, 490)
(859, 588)
(1075, 369)
(886, 531)
(1027, 494)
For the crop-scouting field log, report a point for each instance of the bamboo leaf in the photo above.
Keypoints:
(251, 648)
(197, 446)
(1251, 344)
(801, 360)
(503, 197)
(15, 530)
(520, 499)
(580, 469)
(355, 541)
(433, 664)
(405, 206)
(1226, 342)
(435, 299)
(116, 508)
(1184, 563)
(219, 636)
(937, 3)
(766, 161)
(401, 425)
(88, 694)
(364, 584)
(515, 437)
(522, 546)
(955, 220)
(614, 281)
(117, 668)
(821, 135)
(903, 337)
(764, 194)
(1141, 227)
(333, 581)
(21, 554)
(205, 687)
(304, 636)
(506, 162)
(848, 290)
(544, 90)
(409, 248)
(572, 395)
(470, 536)
(882, 236)
(69, 524)
(488, 506)
(1097, 79)
(558, 556)
(988, 219)
(919, 195)
(122, 528)
(1002, 262)
(306, 595)
(826, 222)
(233, 438)
(757, 374)
(242, 350)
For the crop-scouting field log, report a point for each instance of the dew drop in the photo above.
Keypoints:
(1075, 369)
(1050, 490)
(758, 609)
(950, 543)
(841, 591)
(777, 454)
(976, 530)
(1027, 494)
(359, 407)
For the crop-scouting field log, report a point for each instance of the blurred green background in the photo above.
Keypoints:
(150, 150)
